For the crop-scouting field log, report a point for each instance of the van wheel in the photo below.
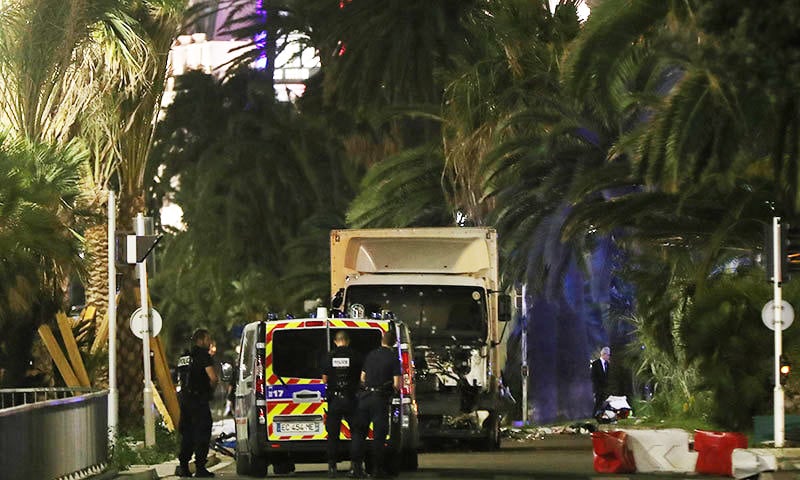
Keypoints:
(242, 464)
(251, 465)
(259, 465)
(283, 468)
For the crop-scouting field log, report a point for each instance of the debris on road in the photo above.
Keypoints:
(532, 433)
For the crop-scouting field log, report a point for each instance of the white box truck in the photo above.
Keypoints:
(443, 284)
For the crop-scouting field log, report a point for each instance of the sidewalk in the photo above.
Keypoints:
(166, 469)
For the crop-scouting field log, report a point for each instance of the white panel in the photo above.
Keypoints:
(664, 450)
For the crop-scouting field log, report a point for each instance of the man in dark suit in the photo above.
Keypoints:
(599, 369)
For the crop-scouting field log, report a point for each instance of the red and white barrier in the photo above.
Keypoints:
(747, 463)
(715, 449)
(667, 450)
(611, 454)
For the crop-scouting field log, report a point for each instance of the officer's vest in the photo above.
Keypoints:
(184, 371)
(343, 376)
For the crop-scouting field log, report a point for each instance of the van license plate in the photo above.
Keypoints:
(298, 427)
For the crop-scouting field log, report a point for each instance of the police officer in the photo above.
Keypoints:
(380, 379)
(197, 379)
(340, 373)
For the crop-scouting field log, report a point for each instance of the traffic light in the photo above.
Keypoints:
(785, 369)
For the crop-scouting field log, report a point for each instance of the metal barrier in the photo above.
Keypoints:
(62, 438)
(11, 397)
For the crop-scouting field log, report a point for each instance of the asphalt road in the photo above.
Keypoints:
(555, 457)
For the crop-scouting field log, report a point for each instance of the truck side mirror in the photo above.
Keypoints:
(503, 307)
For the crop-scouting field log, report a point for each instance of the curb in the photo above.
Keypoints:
(163, 470)
(136, 474)
(106, 475)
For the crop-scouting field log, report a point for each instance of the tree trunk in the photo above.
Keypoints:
(130, 366)
(96, 283)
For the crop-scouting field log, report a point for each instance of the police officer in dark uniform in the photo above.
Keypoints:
(341, 373)
(197, 379)
(380, 379)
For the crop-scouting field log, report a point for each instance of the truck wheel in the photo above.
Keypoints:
(492, 439)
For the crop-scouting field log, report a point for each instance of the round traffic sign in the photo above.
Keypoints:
(768, 314)
(139, 322)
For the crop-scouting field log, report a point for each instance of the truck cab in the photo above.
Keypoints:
(443, 284)
(281, 400)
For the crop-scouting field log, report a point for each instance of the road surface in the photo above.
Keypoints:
(553, 457)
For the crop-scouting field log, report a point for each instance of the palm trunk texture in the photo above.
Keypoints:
(130, 367)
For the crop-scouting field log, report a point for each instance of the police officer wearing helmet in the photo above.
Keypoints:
(341, 375)
(380, 379)
(197, 379)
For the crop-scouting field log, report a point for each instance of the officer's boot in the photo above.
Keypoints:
(201, 472)
(332, 470)
(357, 471)
(182, 470)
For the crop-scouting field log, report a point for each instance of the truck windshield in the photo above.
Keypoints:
(430, 311)
(300, 353)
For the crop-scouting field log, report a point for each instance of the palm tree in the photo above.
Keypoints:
(714, 107)
(711, 144)
(545, 145)
(39, 185)
(380, 71)
(135, 106)
(386, 54)
(513, 64)
(50, 60)
(272, 207)
(98, 75)
(58, 61)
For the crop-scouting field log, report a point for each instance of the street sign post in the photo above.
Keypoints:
(146, 243)
(778, 398)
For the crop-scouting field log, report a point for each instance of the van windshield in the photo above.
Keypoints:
(430, 311)
(300, 353)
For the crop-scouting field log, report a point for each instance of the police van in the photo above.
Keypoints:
(281, 401)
